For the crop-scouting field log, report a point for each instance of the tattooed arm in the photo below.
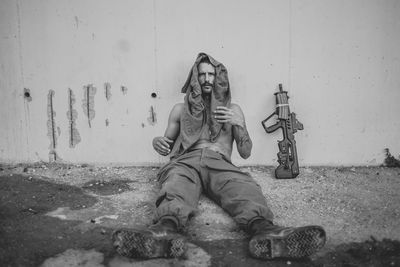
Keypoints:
(234, 116)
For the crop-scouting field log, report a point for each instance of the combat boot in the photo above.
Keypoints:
(158, 240)
(272, 241)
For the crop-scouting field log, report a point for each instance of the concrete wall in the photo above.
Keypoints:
(338, 59)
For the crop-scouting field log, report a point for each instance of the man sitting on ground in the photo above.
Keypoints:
(201, 132)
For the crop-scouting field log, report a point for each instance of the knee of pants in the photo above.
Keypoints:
(233, 189)
(165, 197)
(180, 189)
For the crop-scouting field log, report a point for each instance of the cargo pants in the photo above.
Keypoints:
(184, 178)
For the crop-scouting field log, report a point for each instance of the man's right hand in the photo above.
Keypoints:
(162, 145)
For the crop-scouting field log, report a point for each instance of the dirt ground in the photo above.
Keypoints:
(64, 215)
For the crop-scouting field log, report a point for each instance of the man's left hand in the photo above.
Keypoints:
(226, 115)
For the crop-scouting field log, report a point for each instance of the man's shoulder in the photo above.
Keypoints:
(176, 111)
(235, 106)
(178, 107)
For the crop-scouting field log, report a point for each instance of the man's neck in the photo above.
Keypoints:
(207, 99)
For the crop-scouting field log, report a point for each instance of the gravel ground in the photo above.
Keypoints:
(358, 207)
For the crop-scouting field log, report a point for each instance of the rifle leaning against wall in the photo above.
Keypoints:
(287, 155)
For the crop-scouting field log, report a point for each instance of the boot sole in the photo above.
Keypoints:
(142, 244)
(302, 242)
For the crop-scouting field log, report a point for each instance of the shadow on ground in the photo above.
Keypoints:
(29, 236)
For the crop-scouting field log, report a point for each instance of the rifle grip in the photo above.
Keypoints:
(272, 128)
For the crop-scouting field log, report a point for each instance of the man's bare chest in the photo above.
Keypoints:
(225, 134)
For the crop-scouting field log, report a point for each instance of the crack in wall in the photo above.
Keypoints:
(21, 58)
(51, 127)
(89, 92)
(27, 116)
(72, 114)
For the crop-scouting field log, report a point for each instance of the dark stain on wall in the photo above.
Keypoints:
(51, 127)
(89, 92)
(124, 89)
(152, 119)
(72, 115)
(107, 90)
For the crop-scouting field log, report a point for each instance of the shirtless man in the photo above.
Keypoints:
(235, 127)
(200, 135)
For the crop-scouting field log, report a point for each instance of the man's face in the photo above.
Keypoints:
(206, 77)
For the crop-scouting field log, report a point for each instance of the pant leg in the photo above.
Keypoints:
(179, 194)
(236, 192)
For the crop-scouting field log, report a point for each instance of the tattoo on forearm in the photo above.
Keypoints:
(242, 137)
(243, 141)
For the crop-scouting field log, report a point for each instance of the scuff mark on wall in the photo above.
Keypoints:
(76, 22)
(124, 45)
(51, 127)
(88, 102)
(152, 119)
(72, 114)
(107, 90)
(107, 122)
(124, 89)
